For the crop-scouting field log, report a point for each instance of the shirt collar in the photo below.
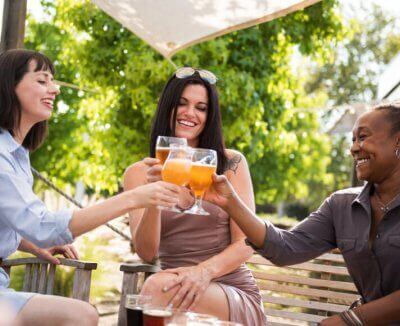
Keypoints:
(8, 142)
(363, 196)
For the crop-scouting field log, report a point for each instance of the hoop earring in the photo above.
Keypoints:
(397, 153)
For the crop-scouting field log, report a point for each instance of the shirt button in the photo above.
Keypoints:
(378, 236)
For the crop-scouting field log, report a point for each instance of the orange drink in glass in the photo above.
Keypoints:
(200, 177)
(162, 154)
(177, 171)
(204, 164)
(163, 146)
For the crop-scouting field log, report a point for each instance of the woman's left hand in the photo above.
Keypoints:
(333, 321)
(193, 282)
(68, 251)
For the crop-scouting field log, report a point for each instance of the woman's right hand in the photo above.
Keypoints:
(154, 168)
(155, 194)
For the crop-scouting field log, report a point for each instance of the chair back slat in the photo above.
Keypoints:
(285, 301)
(42, 278)
(35, 277)
(50, 279)
(306, 292)
(27, 278)
(81, 286)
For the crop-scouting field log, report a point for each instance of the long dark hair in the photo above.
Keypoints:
(14, 64)
(211, 137)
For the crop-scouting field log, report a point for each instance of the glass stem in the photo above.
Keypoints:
(199, 201)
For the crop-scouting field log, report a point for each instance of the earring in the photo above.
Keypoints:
(397, 153)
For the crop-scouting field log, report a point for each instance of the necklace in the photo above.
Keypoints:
(384, 207)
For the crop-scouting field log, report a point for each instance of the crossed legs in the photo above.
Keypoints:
(213, 300)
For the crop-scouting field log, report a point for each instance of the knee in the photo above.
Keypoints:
(155, 283)
(87, 315)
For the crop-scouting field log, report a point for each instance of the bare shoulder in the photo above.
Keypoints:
(236, 160)
(134, 175)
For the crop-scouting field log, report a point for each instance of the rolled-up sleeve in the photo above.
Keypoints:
(24, 212)
(310, 238)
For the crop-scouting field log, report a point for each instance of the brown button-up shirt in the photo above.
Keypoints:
(343, 221)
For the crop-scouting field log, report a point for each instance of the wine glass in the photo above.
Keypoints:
(163, 145)
(204, 164)
(176, 168)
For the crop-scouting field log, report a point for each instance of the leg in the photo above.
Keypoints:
(213, 300)
(53, 310)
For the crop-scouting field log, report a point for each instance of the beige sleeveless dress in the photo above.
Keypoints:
(187, 240)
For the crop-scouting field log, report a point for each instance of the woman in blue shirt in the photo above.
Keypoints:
(27, 94)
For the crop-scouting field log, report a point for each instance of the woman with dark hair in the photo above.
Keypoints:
(27, 95)
(364, 222)
(202, 257)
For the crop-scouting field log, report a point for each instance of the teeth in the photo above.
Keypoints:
(186, 123)
(362, 161)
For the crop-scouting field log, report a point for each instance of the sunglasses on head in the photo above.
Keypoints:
(206, 75)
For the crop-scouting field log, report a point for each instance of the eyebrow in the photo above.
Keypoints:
(45, 73)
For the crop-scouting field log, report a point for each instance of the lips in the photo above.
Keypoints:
(48, 102)
(186, 123)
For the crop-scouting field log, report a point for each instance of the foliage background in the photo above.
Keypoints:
(96, 134)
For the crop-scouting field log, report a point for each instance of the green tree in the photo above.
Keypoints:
(372, 39)
(106, 128)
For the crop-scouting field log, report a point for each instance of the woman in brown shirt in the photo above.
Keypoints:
(364, 222)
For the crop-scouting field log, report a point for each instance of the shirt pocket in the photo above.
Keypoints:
(346, 245)
(394, 241)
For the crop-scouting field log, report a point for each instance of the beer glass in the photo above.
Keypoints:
(135, 304)
(155, 316)
(204, 164)
(163, 144)
(176, 168)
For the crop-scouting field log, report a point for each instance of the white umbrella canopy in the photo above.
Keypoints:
(172, 25)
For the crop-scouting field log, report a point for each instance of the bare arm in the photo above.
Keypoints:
(145, 224)
(27, 246)
(146, 196)
(238, 252)
(383, 311)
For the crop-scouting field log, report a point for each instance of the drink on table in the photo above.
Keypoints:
(163, 144)
(135, 304)
(156, 317)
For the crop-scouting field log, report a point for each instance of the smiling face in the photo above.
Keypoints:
(191, 115)
(374, 146)
(36, 93)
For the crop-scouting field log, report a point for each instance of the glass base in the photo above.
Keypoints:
(196, 210)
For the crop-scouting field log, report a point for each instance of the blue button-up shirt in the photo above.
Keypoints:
(22, 213)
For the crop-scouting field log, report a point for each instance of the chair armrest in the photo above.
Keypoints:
(139, 267)
(64, 262)
(39, 275)
(134, 275)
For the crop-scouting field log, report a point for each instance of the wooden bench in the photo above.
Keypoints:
(39, 275)
(302, 294)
